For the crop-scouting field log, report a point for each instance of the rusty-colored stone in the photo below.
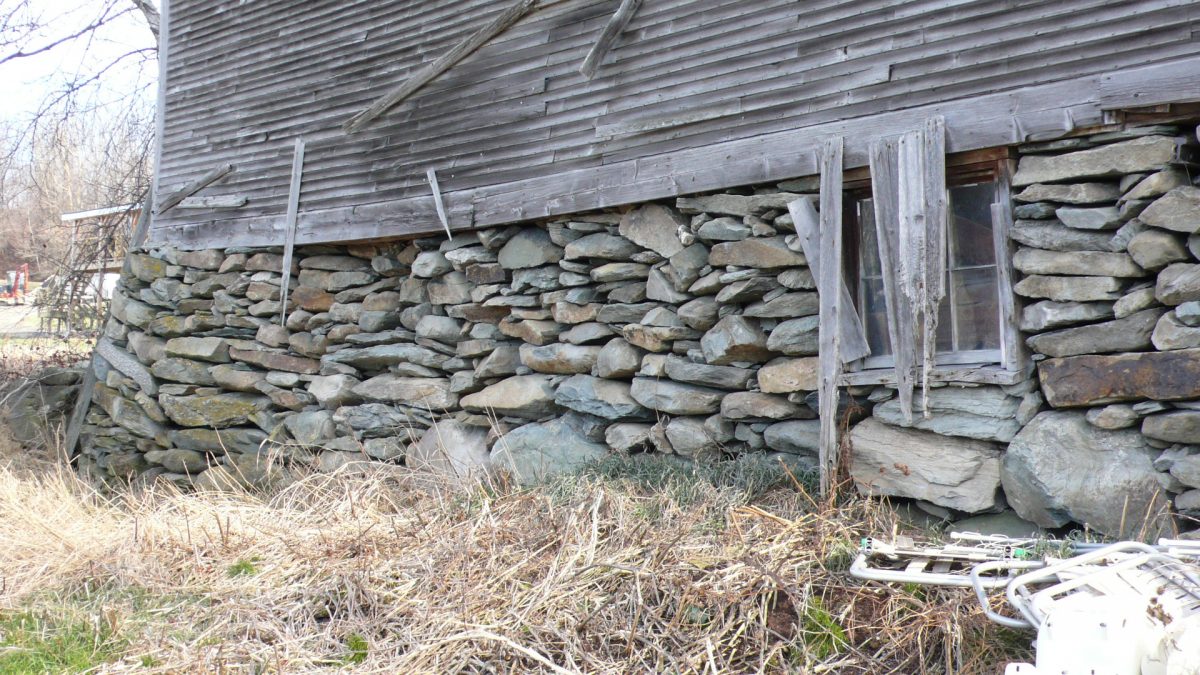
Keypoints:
(1097, 379)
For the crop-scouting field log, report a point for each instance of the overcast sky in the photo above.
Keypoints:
(26, 82)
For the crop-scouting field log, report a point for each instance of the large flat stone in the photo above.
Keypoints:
(1178, 210)
(1131, 333)
(956, 473)
(245, 440)
(796, 337)
(654, 226)
(379, 357)
(735, 339)
(531, 247)
(527, 396)
(1060, 469)
(722, 377)
(1048, 314)
(1074, 193)
(1178, 283)
(674, 398)
(609, 399)
(759, 252)
(1147, 153)
(453, 450)
(276, 361)
(559, 358)
(211, 349)
(801, 437)
(1084, 263)
(784, 375)
(216, 411)
(1093, 380)
(535, 452)
(422, 392)
(1052, 235)
(1176, 426)
(1070, 289)
(1093, 218)
(1155, 249)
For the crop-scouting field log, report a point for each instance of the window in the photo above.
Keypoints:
(970, 319)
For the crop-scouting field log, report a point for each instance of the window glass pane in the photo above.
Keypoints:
(976, 308)
(874, 316)
(970, 226)
(868, 247)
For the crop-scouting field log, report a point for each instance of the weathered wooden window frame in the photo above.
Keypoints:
(965, 169)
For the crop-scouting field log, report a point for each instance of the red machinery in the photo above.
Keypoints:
(14, 284)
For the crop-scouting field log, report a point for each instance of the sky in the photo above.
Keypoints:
(26, 82)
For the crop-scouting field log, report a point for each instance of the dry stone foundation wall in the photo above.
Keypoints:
(687, 329)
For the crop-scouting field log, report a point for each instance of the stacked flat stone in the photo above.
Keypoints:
(685, 329)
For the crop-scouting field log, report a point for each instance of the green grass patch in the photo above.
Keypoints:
(57, 642)
(244, 567)
(357, 649)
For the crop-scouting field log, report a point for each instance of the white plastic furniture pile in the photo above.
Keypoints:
(1121, 609)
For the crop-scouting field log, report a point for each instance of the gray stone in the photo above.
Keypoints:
(449, 289)
(147, 348)
(128, 366)
(1157, 184)
(1177, 426)
(617, 359)
(1075, 193)
(1134, 301)
(587, 333)
(211, 349)
(620, 271)
(685, 267)
(453, 450)
(1048, 314)
(653, 226)
(1187, 470)
(659, 288)
(1060, 469)
(1188, 313)
(1178, 283)
(796, 337)
(736, 205)
(689, 437)
(1155, 249)
(217, 411)
(1084, 263)
(1147, 153)
(1171, 333)
(723, 229)
(1004, 524)
(608, 399)
(787, 375)
(1036, 211)
(535, 452)
(722, 377)
(674, 398)
(759, 253)
(984, 427)
(236, 377)
(748, 290)
(601, 245)
(380, 357)
(802, 437)
(441, 328)
(1112, 417)
(1095, 218)
(1070, 289)
(741, 405)
(525, 396)
(218, 441)
(182, 370)
(431, 264)
(334, 391)
(1178, 210)
(422, 392)
(559, 358)
(627, 436)
(178, 460)
(311, 428)
(1119, 335)
(960, 474)
(657, 338)
(735, 339)
(1052, 235)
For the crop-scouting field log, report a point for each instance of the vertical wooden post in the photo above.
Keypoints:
(293, 212)
(885, 188)
(437, 201)
(830, 360)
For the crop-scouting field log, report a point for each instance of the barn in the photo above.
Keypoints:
(944, 250)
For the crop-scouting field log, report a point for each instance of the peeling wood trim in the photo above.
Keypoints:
(293, 210)
(983, 374)
(440, 65)
(193, 187)
(431, 174)
(612, 30)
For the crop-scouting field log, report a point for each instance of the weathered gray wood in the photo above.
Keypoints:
(160, 121)
(1014, 352)
(807, 221)
(213, 202)
(885, 191)
(936, 203)
(440, 65)
(142, 229)
(612, 30)
(830, 358)
(437, 201)
(982, 374)
(193, 187)
(289, 244)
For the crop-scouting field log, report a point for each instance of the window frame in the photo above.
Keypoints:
(993, 166)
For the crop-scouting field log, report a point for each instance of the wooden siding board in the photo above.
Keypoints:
(517, 111)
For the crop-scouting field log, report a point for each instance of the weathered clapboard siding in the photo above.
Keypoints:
(695, 95)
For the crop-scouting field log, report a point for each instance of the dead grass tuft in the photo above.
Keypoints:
(628, 567)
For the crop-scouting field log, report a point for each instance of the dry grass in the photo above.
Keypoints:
(657, 571)
(22, 356)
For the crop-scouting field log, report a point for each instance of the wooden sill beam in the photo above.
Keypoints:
(616, 25)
